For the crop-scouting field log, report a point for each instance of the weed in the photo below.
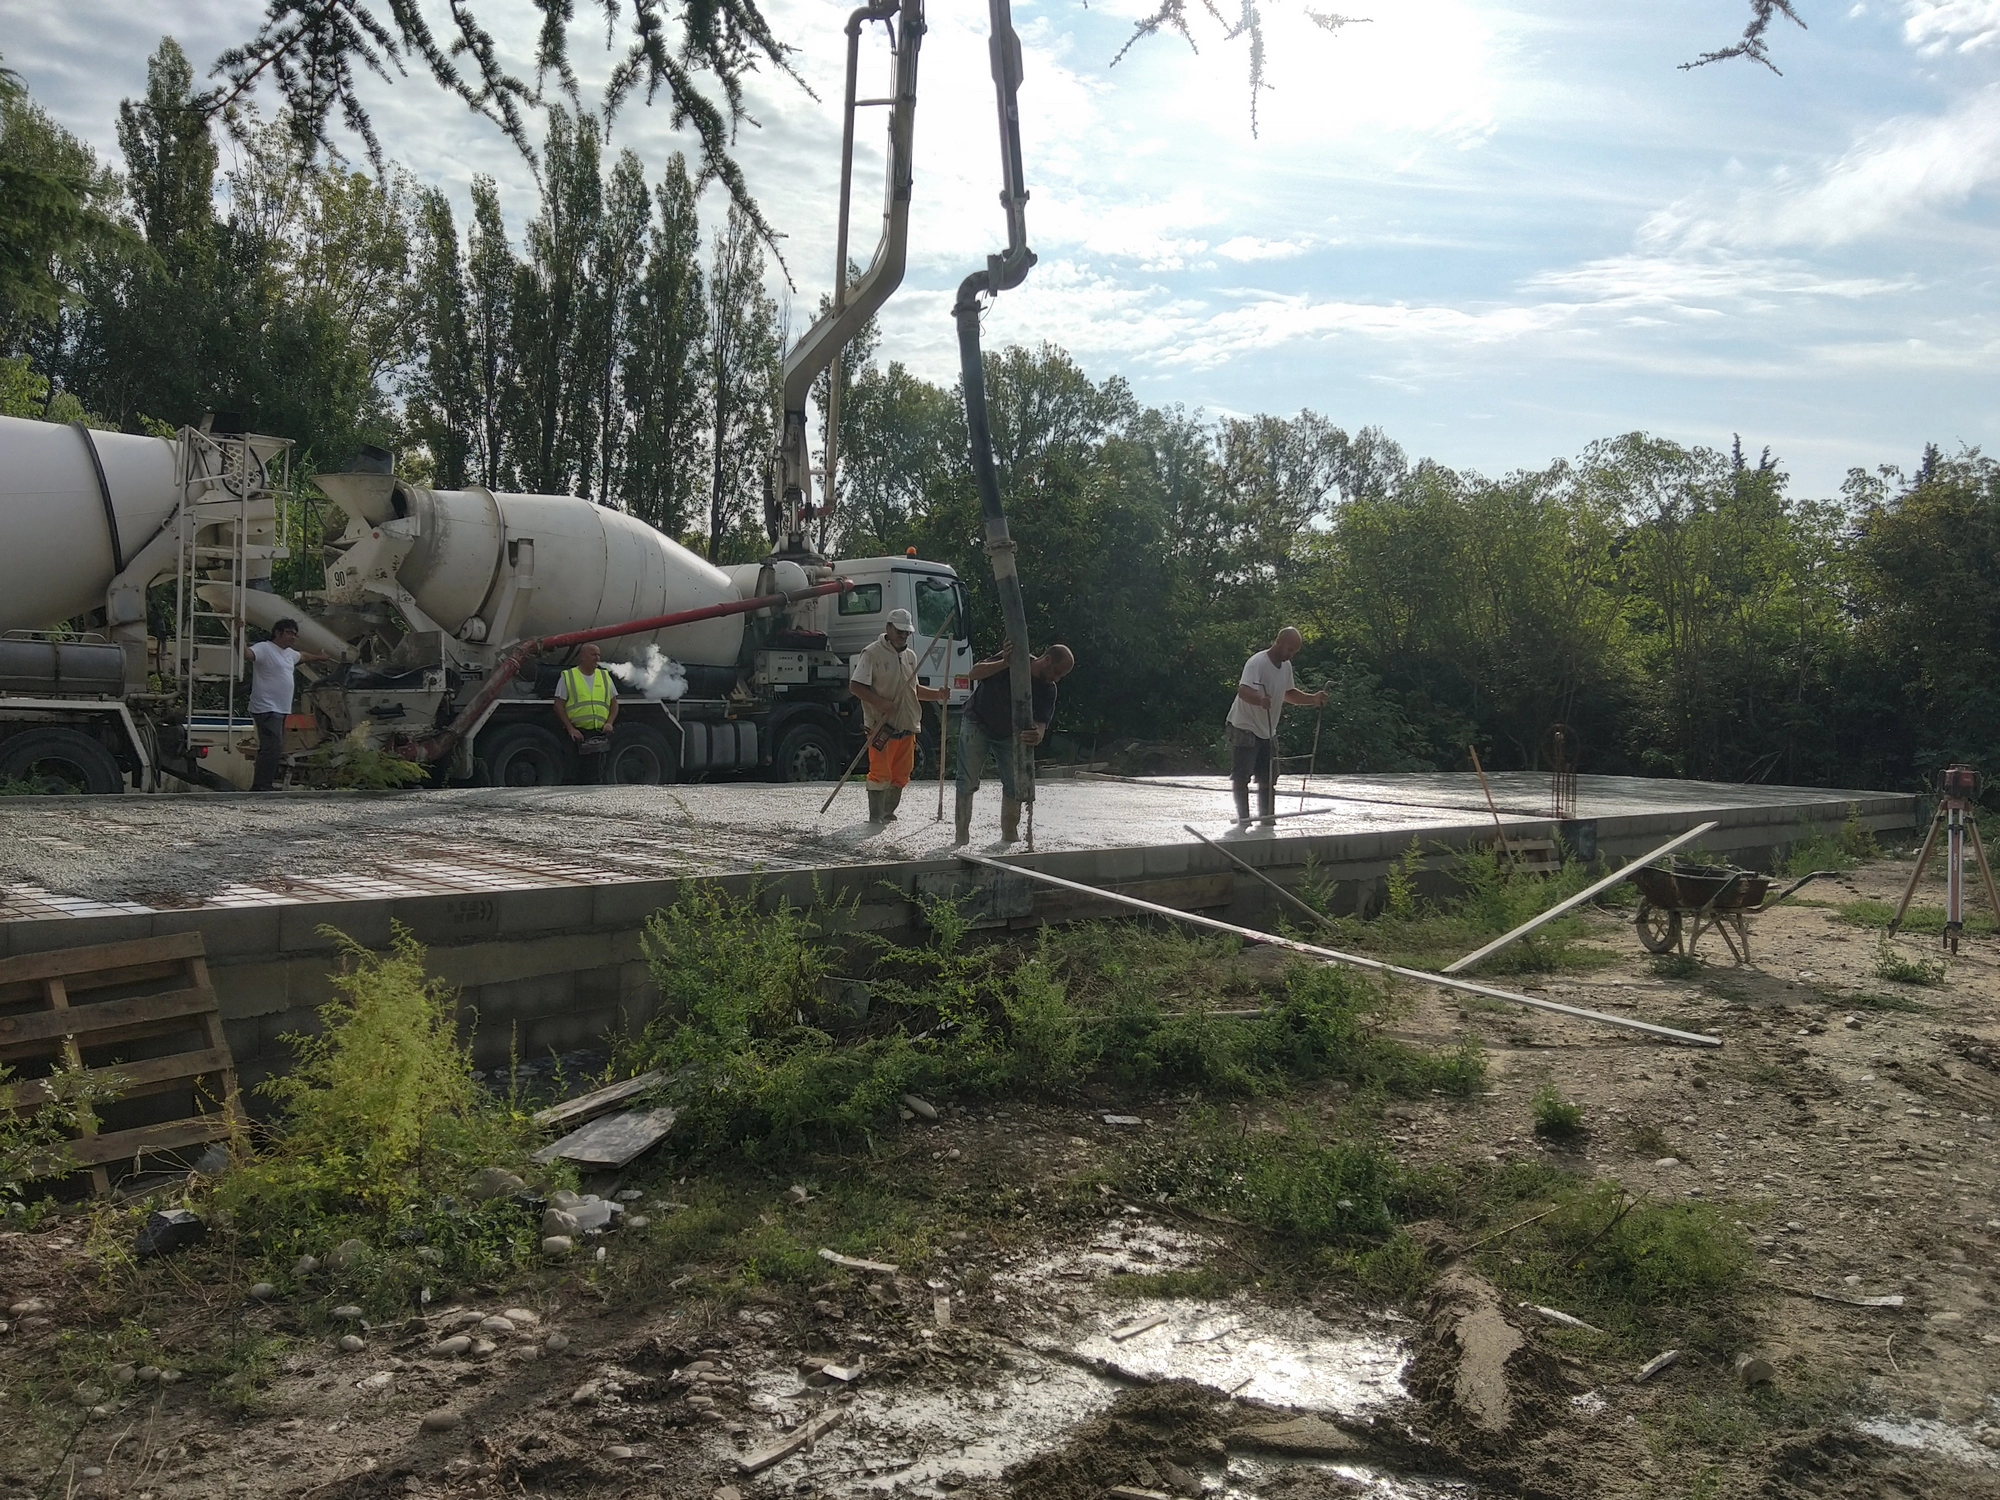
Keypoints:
(11, 787)
(1898, 968)
(382, 1121)
(1822, 851)
(1402, 900)
(1556, 1118)
(353, 764)
(757, 1067)
(1650, 1140)
(1494, 896)
(34, 1142)
(1681, 966)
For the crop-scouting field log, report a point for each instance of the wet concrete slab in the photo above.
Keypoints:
(74, 857)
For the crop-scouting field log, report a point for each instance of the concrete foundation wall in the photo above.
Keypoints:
(557, 968)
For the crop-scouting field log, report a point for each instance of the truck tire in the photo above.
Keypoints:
(640, 755)
(521, 755)
(807, 752)
(61, 760)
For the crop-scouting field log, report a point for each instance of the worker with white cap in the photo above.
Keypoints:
(884, 677)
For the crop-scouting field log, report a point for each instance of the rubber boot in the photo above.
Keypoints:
(962, 815)
(1010, 820)
(891, 800)
(876, 812)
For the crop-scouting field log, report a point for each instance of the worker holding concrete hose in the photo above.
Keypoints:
(988, 729)
(1261, 696)
(587, 703)
(883, 676)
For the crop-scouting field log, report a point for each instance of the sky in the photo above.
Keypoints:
(1499, 231)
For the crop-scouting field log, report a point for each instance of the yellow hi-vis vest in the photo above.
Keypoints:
(589, 698)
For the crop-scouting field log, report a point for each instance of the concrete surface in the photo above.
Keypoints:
(533, 902)
(98, 856)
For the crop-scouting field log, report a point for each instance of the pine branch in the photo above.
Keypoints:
(1752, 43)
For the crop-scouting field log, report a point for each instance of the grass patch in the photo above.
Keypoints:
(1556, 1118)
(1928, 920)
(1641, 1271)
(1203, 1283)
(1868, 1000)
(1900, 968)
(1682, 966)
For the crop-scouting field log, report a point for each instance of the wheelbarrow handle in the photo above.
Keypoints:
(1796, 886)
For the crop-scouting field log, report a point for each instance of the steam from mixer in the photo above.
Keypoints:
(654, 674)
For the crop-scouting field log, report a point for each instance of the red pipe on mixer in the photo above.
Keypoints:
(439, 746)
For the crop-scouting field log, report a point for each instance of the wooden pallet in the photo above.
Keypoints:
(141, 1019)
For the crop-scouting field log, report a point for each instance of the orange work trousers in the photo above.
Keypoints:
(894, 763)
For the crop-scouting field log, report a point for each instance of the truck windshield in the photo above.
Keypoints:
(936, 598)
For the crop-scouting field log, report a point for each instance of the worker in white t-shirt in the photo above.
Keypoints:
(272, 664)
(1261, 696)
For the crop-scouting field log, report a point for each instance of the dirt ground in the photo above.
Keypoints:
(1847, 1121)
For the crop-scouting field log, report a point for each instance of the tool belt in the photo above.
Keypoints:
(594, 744)
(883, 734)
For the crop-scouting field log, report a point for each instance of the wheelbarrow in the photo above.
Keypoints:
(1718, 897)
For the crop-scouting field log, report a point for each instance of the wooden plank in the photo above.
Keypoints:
(613, 1141)
(122, 1145)
(29, 992)
(131, 1080)
(63, 962)
(88, 1020)
(218, 1041)
(597, 1102)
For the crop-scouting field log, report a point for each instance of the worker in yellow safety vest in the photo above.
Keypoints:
(587, 704)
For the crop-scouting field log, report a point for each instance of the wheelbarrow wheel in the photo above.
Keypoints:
(1659, 927)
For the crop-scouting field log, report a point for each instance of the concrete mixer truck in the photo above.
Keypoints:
(131, 567)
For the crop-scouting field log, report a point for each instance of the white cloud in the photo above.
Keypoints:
(1896, 174)
(1251, 247)
(1965, 25)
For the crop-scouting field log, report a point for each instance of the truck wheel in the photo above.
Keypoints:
(640, 755)
(808, 752)
(521, 755)
(61, 760)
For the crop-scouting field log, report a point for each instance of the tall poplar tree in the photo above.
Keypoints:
(662, 379)
(742, 377)
(618, 262)
(557, 395)
(440, 399)
(490, 273)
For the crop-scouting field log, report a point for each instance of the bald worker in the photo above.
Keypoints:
(1261, 696)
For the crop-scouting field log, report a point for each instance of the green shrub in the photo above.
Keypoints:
(1556, 1118)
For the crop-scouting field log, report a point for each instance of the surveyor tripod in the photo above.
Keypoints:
(1958, 794)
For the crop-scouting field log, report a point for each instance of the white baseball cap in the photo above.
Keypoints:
(900, 618)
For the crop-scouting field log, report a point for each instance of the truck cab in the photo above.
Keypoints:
(933, 595)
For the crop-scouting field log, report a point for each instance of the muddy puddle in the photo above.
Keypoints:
(1075, 1351)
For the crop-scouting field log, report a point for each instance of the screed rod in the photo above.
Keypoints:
(1247, 868)
(1252, 935)
(1577, 900)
